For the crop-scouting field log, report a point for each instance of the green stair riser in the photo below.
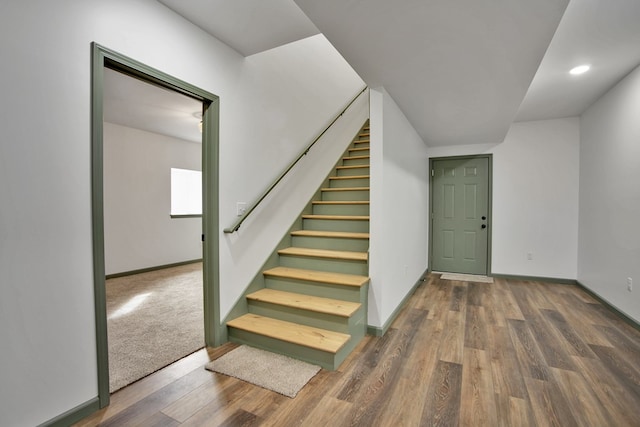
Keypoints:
(351, 182)
(354, 209)
(325, 290)
(325, 264)
(353, 171)
(359, 226)
(358, 144)
(345, 195)
(339, 244)
(352, 162)
(317, 357)
(356, 151)
(306, 317)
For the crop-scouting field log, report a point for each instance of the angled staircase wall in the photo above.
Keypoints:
(311, 300)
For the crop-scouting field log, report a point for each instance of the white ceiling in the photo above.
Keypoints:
(461, 70)
(603, 33)
(131, 102)
(248, 26)
(458, 69)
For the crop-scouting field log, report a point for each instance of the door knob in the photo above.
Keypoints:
(484, 217)
(484, 225)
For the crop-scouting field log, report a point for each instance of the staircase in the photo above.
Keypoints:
(314, 305)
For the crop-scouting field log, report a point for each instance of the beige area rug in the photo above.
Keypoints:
(153, 319)
(268, 370)
(466, 277)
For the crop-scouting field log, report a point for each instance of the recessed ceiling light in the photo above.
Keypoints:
(579, 69)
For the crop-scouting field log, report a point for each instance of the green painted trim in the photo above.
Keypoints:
(490, 214)
(375, 331)
(186, 216)
(102, 57)
(380, 331)
(148, 269)
(213, 329)
(100, 300)
(535, 278)
(489, 202)
(623, 316)
(74, 415)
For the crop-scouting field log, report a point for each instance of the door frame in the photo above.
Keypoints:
(102, 57)
(489, 157)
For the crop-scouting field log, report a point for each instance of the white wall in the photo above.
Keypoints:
(399, 223)
(138, 230)
(609, 243)
(535, 197)
(271, 105)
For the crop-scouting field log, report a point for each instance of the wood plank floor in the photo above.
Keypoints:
(509, 353)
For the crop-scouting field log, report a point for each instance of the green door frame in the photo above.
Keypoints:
(489, 202)
(102, 57)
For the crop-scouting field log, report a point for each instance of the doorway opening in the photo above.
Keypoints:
(460, 199)
(153, 254)
(105, 61)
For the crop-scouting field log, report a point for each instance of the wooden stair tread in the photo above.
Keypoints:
(364, 134)
(338, 217)
(362, 141)
(356, 157)
(316, 338)
(349, 177)
(340, 202)
(317, 276)
(306, 302)
(359, 149)
(334, 234)
(353, 167)
(324, 253)
(345, 189)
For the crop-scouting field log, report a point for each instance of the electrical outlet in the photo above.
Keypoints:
(241, 208)
(529, 256)
(629, 284)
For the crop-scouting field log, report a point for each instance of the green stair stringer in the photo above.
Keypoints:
(331, 202)
(258, 282)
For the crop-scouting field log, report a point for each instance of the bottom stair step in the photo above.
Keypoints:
(316, 338)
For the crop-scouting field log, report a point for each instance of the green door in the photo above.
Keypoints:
(460, 215)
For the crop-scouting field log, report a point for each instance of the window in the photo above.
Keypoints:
(186, 193)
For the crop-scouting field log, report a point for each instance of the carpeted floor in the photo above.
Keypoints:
(153, 319)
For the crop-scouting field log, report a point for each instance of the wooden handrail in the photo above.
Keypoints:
(244, 216)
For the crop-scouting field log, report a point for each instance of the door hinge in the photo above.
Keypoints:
(433, 172)
(203, 237)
